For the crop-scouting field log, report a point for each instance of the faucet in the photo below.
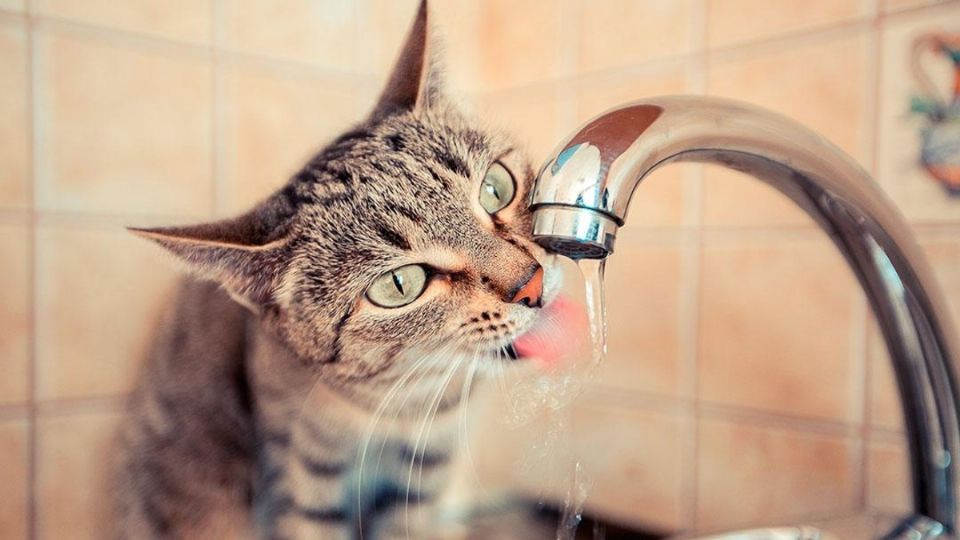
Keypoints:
(581, 197)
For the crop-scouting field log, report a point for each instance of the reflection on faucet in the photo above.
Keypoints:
(583, 192)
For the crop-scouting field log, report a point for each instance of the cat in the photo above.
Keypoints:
(304, 381)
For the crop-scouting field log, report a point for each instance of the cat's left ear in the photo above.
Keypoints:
(413, 83)
(238, 253)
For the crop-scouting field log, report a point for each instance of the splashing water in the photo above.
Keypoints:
(551, 392)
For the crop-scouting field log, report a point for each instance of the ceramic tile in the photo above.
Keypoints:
(486, 46)
(99, 296)
(184, 20)
(121, 130)
(73, 462)
(13, 5)
(885, 409)
(14, 121)
(821, 84)
(14, 313)
(13, 477)
(891, 6)
(777, 327)
(636, 477)
(615, 33)
(916, 193)
(309, 31)
(645, 328)
(275, 121)
(660, 200)
(727, 23)
(888, 476)
(533, 117)
(748, 475)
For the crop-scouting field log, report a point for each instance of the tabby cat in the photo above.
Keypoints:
(305, 385)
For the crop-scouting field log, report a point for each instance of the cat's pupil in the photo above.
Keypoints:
(491, 189)
(397, 282)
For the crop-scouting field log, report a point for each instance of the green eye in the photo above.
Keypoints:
(398, 287)
(497, 189)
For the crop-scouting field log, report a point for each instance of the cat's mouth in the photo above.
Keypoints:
(558, 333)
(511, 352)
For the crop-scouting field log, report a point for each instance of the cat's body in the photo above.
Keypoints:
(246, 444)
(350, 312)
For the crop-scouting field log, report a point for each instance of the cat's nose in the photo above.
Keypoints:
(530, 290)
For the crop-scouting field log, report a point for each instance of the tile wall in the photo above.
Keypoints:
(746, 384)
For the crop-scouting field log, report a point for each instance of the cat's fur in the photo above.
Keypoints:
(272, 379)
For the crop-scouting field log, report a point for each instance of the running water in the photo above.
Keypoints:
(551, 393)
(592, 271)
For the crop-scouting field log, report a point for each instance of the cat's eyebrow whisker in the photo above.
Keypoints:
(431, 409)
(377, 416)
(464, 407)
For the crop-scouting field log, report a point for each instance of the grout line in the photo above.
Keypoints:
(217, 191)
(697, 74)
(81, 405)
(873, 100)
(33, 111)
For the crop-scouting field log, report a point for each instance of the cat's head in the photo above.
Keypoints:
(410, 232)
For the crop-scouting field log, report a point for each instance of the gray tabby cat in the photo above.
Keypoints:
(301, 386)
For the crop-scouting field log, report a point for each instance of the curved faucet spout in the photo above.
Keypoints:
(583, 192)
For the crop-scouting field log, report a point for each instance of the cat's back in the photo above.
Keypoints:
(186, 450)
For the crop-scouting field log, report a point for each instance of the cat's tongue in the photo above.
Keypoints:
(558, 335)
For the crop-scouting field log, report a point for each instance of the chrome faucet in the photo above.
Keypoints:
(582, 194)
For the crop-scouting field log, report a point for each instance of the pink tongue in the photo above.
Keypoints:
(559, 333)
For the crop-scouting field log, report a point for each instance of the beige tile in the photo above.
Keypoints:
(185, 20)
(13, 477)
(623, 32)
(916, 194)
(14, 124)
(486, 46)
(14, 313)
(660, 200)
(821, 84)
(644, 283)
(633, 462)
(890, 6)
(735, 199)
(532, 116)
(888, 476)
(384, 25)
(737, 21)
(13, 5)
(73, 463)
(275, 121)
(777, 326)
(749, 475)
(121, 130)
(323, 33)
(885, 409)
(99, 295)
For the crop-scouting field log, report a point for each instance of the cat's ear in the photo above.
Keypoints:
(413, 83)
(240, 253)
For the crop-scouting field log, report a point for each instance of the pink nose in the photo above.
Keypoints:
(531, 292)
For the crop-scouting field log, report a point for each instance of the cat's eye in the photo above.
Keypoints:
(398, 287)
(497, 189)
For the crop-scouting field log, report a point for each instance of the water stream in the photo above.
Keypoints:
(579, 483)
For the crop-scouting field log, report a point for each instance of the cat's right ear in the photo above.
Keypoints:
(412, 83)
(237, 253)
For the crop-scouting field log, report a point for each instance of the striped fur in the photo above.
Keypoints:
(276, 401)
